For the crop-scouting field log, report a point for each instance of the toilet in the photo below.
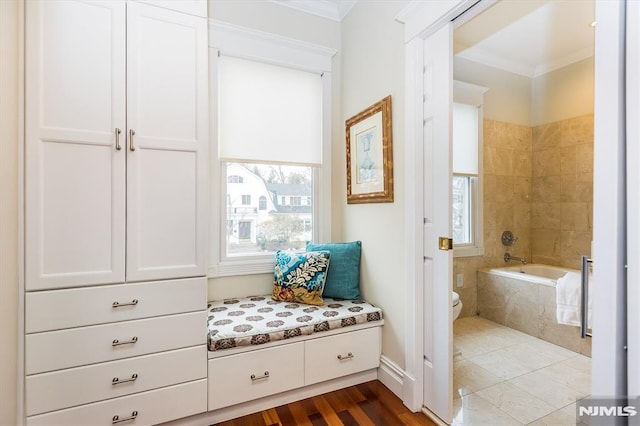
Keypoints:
(457, 308)
(457, 305)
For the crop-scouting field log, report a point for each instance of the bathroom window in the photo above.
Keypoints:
(467, 163)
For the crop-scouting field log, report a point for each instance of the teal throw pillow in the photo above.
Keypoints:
(300, 277)
(343, 279)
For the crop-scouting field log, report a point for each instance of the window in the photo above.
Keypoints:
(273, 133)
(466, 184)
(244, 230)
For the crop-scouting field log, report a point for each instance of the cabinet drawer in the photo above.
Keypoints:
(77, 386)
(54, 350)
(151, 408)
(274, 370)
(58, 309)
(358, 351)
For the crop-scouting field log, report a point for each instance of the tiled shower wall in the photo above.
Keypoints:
(562, 192)
(538, 183)
(506, 176)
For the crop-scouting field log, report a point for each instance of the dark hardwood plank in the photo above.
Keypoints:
(366, 404)
(299, 415)
(285, 415)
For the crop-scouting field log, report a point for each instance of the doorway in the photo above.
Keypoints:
(420, 27)
(537, 178)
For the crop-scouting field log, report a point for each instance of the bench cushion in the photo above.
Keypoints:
(258, 319)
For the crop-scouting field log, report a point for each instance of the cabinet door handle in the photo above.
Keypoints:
(116, 342)
(116, 419)
(117, 381)
(117, 304)
(131, 134)
(264, 376)
(347, 356)
(118, 147)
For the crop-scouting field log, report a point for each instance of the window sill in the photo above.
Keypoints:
(242, 267)
(468, 251)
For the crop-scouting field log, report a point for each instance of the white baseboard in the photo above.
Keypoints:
(265, 403)
(391, 376)
(412, 395)
(437, 420)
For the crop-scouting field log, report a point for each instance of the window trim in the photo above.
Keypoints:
(471, 94)
(270, 48)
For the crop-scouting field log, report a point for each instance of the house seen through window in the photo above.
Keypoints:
(270, 224)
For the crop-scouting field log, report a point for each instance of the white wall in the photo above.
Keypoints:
(564, 93)
(273, 18)
(8, 210)
(558, 95)
(373, 67)
(509, 95)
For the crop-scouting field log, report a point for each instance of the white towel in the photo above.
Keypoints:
(568, 289)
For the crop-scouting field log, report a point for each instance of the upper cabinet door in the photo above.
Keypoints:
(75, 175)
(167, 115)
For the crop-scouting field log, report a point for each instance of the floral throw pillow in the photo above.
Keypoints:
(300, 277)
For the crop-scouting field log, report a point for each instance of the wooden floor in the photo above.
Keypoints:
(369, 403)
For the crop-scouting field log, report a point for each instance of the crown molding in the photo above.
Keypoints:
(483, 57)
(253, 44)
(335, 10)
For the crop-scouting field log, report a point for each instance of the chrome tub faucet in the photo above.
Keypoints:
(508, 257)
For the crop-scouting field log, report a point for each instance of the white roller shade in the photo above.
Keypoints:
(268, 113)
(465, 139)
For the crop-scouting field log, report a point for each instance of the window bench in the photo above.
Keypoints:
(259, 348)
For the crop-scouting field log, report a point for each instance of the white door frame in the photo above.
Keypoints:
(609, 222)
(421, 19)
(424, 18)
(633, 199)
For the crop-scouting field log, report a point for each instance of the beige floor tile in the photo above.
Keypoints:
(473, 410)
(501, 363)
(570, 410)
(469, 377)
(573, 373)
(472, 346)
(516, 402)
(541, 345)
(553, 393)
(533, 357)
(506, 377)
(557, 418)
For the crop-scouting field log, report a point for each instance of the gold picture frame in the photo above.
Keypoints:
(369, 155)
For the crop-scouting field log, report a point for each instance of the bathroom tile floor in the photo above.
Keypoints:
(505, 377)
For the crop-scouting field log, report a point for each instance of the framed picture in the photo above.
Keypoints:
(369, 155)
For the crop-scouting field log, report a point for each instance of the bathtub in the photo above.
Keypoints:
(534, 273)
(523, 297)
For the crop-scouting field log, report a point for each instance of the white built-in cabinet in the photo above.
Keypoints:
(116, 134)
(116, 129)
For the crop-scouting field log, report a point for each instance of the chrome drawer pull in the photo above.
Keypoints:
(264, 376)
(116, 342)
(117, 381)
(348, 356)
(116, 419)
(117, 304)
